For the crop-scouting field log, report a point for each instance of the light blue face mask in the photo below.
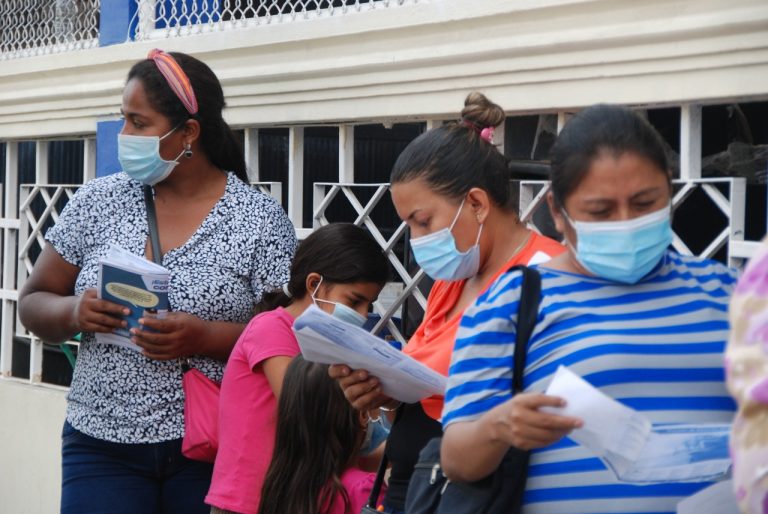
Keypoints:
(376, 432)
(436, 253)
(623, 251)
(140, 159)
(341, 311)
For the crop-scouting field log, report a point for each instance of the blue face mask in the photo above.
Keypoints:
(140, 158)
(436, 253)
(341, 311)
(623, 251)
(376, 432)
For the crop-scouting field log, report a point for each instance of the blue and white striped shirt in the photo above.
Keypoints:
(655, 346)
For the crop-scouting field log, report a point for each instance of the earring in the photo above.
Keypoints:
(188, 151)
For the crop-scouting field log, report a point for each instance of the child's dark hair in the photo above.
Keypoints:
(318, 435)
(453, 158)
(219, 143)
(597, 129)
(341, 252)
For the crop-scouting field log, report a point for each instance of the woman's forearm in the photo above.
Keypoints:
(49, 316)
(471, 450)
(220, 338)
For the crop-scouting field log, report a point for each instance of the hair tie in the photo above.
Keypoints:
(286, 291)
(486, 133)
(176, 78)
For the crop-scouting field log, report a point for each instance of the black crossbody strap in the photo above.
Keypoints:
(527, 314)
(154, 234)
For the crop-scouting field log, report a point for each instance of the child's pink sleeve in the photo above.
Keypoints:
(271, 336)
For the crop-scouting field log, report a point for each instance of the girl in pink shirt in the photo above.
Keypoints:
(341, 269)
(313, 469)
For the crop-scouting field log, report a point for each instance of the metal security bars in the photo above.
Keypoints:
(38, 27)
(324, 196)
(165, 18)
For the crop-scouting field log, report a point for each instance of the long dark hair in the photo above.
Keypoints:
(601, 128)
(341, 252)
(219, 143)
(453, 158)
(318, 435)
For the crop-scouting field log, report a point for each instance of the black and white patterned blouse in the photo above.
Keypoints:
(243, 248)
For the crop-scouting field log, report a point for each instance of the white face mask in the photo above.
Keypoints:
(341, 311)
(140, 158)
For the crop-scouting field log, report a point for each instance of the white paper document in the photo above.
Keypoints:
(626, 441)
(715, 499)
(328, 340)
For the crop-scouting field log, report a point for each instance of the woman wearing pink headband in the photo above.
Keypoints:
(223, 242)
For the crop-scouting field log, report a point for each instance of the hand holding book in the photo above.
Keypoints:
(174, 335)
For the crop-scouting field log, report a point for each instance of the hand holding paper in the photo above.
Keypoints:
(628, 443)
(328, 340)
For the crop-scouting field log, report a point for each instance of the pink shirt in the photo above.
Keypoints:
(358, 484)
(247, 413)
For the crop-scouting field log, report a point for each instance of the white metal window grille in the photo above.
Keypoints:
(164, 18)
(324, 195)
(38, 27)
(730, 204)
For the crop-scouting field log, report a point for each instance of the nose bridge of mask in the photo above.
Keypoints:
(341, 311)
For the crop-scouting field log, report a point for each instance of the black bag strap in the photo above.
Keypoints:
(376, 489)
(154, 234)
(527, 314)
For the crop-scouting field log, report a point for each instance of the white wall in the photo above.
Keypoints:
(420, 60)
(30, 453)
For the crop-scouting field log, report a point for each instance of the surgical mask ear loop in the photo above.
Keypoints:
(456, 218)
(314, 293)
(185, 151)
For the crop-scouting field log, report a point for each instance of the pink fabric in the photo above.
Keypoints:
(201, 413)
(358, 484)
(247, 413)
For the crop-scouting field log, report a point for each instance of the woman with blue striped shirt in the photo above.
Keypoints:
(641, 323)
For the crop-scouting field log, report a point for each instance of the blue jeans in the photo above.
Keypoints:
(100, 477)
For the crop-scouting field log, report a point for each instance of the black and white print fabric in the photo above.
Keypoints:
(243, 248)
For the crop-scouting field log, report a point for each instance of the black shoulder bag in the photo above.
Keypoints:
(430, 491)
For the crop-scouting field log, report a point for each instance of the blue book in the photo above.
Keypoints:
(136, 283)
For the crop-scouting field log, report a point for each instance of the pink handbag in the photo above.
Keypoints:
(201, 416)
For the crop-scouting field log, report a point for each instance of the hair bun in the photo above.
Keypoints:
(483, 113)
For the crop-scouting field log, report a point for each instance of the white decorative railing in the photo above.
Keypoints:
(161, 18)
(731, 205)
(37, 27)
(324, 196)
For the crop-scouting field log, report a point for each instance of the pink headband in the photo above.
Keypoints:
(176, 78)
(485, 133)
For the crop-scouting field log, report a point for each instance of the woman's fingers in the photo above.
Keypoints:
(337, 371)
(96, 315)
(525, 426)
(360, 389)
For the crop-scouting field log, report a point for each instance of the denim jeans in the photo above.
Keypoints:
(100, 477)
